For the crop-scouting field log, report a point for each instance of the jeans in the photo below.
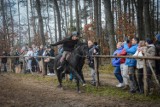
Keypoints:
(5, 67)
(124, 73)
(140, 80)
(93, 74)
(117, 73)
(132, 78)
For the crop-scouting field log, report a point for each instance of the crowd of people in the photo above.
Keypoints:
(31, 61)
(126, 68)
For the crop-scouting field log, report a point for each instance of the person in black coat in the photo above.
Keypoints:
(69, 44)
(4, 61)
(50, 64)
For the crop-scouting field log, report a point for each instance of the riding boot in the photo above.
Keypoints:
(61, 65)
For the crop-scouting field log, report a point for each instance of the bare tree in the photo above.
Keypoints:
(110, 25)
(29, 35)
(38, 7)
(12, 25)
(146, 16)
(4, 20)
(58, 18)
(77, 15)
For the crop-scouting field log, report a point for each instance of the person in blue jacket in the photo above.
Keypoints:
(116, 64)
(131, 63)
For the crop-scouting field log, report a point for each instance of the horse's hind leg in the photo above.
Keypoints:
(78, 89)
(59, 79)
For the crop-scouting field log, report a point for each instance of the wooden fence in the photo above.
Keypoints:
(96, 57)
(145, 59)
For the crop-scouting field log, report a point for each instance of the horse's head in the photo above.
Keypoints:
(82, 49)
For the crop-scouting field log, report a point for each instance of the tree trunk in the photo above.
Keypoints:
(12, 25)
(71, 16)
(99, 17)
(48, 22)
(4, 20)
(77, 15)
(110, 25)
(19, 23)
(85, 12)
(55, 25)
(65, 14)
(139, 10)
(96, 17)
(38, 6)
(29, 35)
(33, 18)
(146, 15)
(58, 18)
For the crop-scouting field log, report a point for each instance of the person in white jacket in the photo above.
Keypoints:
(29, 57)
(141, 48)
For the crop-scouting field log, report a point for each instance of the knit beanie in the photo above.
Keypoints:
(149, 41)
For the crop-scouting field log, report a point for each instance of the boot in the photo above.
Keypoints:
(61, 65)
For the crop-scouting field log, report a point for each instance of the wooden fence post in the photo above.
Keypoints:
(154, 74)
(24, 65)
(145, 78)
(43, 68)
(10, 64)
(97, 72)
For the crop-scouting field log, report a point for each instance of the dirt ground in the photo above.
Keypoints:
(17, 91)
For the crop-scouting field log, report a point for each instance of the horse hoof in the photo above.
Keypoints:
(59, 86)
(84, 85)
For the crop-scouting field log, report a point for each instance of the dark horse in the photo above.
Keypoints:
(74, 64)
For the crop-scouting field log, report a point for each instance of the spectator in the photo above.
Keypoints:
(4, 61)
(141, 48)
(150, 51)
(50, 63)
(40, 61)
(34, 59)
(131, 63)
(97, 47)
(16, 59)
(124, 68)
(29, 59)
(12, 59)
(116, 64)
(92, 51)
(157, 45)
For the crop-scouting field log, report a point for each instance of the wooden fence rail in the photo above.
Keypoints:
(96, 65)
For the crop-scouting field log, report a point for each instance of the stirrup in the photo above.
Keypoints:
(58, 68)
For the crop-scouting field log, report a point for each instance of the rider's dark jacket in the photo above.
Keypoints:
(68, 44)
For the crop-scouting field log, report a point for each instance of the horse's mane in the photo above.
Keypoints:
(81, 43)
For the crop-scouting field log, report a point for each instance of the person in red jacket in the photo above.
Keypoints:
(124, 68)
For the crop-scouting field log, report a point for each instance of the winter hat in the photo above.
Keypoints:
(149, 41)
(158, 37)
(75, 33)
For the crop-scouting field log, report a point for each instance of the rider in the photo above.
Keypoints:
(68, 46)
